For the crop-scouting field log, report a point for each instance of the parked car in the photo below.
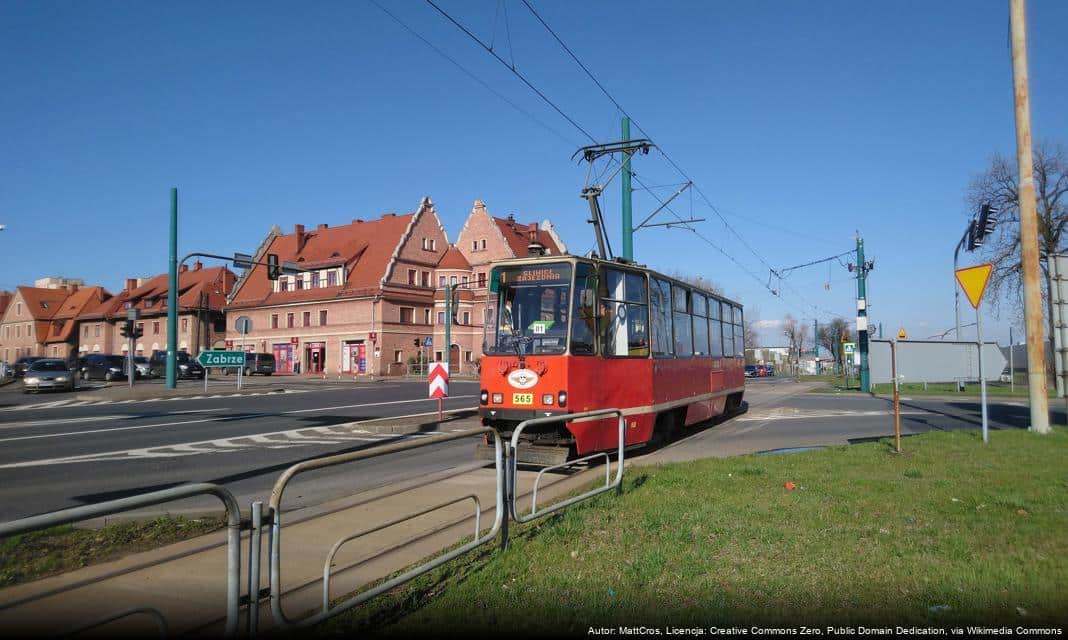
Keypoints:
(22, 363)
(750, 371)
(144, 368)
(48, 373)
(258, 363)
(771, 370)
(761, 371)
(188, 367)
(102, 366)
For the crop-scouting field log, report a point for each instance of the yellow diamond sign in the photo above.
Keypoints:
(973, 280)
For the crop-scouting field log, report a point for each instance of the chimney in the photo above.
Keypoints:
(298, 230)
(197, 265)
(535, 248)
(182, 268)
(322, 226)
(74, 288)
(131, 284)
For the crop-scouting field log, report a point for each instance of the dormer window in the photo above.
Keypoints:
(283, 284)
(44, 305)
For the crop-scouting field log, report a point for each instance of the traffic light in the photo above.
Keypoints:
(130, 330)
(981, 226)
(273, 269)
(416, 342)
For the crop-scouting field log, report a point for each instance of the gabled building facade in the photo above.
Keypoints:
(365, 294)
(201, 323)
(42, 321)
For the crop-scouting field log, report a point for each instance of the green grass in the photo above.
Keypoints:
(43, 553)
(868, 536)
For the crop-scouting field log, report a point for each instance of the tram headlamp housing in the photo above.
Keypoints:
(547, 399)
(498, 398)
(483, 398)
(562, 399)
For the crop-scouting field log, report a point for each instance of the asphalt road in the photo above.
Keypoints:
(56, 452)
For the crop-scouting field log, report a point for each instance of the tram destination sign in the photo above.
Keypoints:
(221, 358)
(537, 274)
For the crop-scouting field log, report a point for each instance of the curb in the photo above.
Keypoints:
(157, 395)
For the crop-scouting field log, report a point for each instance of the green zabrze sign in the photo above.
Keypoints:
(221, 358)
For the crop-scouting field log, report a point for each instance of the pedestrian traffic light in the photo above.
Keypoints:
(273, 269)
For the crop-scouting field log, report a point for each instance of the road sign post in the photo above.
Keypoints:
(973, 281)
(243, 326)
(439, 383)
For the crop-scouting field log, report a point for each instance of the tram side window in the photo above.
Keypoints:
(715, 329)
(660, 317)
(624, 315)
(739, 333)
(683, 323)
(728, 333)
(582, 311)
(700, 325)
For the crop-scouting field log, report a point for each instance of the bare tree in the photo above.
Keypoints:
(998, 186)
(833, 334)
(795, 336)
(752, 337)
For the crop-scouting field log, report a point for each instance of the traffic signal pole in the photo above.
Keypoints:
(172, 296)
(1036, 356)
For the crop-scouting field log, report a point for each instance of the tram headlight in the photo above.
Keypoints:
(483, 398)
(498, 398)
(562, 398)
(547, 399)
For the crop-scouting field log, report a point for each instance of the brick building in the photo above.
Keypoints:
(42, 321)
(483, 239)
(366, 293)
(201, 325)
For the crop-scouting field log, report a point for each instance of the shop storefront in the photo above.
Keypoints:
(283, 357)
(314, 357)
(354, 357)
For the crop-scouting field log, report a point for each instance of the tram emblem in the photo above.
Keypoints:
(522, 378)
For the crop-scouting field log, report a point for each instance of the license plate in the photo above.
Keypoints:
(522, 398)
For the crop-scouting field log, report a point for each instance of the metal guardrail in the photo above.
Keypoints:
(78, 514)
(337, 545)
(513, 465)
(275, 536)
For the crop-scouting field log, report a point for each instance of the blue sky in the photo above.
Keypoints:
(802, 123)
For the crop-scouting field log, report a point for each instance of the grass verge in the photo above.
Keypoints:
(30, 556)
(950, 532)
(971, 390)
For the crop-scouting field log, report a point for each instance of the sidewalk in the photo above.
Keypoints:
(186, 581)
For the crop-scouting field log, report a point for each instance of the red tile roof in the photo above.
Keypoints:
(453, 259)
(55, 310)
(517, 235)
(5, 299)
(363, 248)
(215, 283)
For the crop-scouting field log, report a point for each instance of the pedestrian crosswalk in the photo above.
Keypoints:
(331, 435)
(70, 403)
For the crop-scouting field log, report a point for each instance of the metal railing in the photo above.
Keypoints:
(87, 512)
(513, 466)
(275, 517)
(151, 612)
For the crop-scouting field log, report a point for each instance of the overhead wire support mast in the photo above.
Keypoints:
(593, 191)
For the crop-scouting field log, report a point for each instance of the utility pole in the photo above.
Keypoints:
(628, 222)
(862, 316)
(172, 296)
(448, 326)
(1036, 357)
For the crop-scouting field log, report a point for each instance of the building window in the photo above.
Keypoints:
(426, 316)
(331, 278)
(426, 278)
(274, 320)
(467, 317)
(299, 281)
(289, 320)
(155, 326)
(441, 281)
(411, 277)
(482, 280)
(85, 332)
(467, 356)
(322, 318)
(452, 280)
(398, 356)
(18, 309)
(406, 315)
(185, 325)
(463, 281)
(141, 327)
(429, 244)
(483, 243)
(441, 317)
(474, 245)
(307, 319)
(283, 284)
(315, 280)
(18, 331)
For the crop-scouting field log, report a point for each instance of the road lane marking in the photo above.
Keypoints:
(121, 416)
(372, 404)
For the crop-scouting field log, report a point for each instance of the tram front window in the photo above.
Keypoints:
(532, 310)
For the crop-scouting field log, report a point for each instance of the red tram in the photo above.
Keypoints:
(565, 334)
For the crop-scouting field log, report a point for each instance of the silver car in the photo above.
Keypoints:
(48, 374)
